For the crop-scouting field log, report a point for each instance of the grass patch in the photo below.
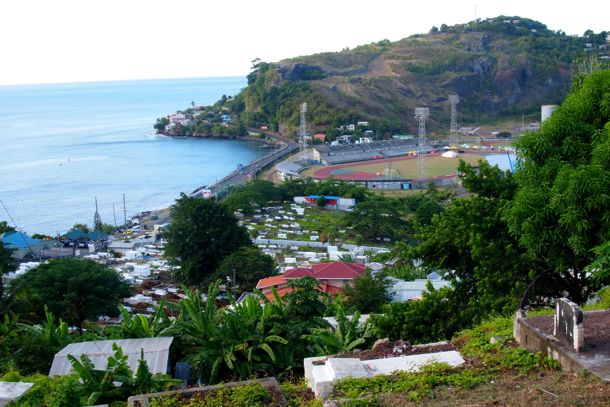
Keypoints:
(475, 343)
(413, 386)
(298, 394)
(253, 395)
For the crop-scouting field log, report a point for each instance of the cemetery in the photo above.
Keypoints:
(578, 340)
(299, 235)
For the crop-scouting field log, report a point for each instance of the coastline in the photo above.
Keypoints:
(258, 165)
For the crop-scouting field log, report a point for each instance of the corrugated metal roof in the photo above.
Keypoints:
(156, 354)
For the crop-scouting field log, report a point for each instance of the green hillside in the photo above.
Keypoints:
(502, 68)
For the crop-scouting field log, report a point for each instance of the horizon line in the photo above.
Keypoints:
(83, 82)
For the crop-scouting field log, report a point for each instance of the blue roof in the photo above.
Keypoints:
(74, 234)
(325, 197)
(18, 240)
(97, 235)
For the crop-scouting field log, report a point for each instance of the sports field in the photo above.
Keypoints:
(401, 167)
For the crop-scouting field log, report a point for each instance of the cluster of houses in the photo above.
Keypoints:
(193, 115)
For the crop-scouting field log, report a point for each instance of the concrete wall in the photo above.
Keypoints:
(534, 340)
(142, 400)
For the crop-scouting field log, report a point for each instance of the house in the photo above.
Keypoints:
(287, 170)
(331, 202)
(403, 291)
(123, 246)
(331, 277)
(226, 118)
(24, 246)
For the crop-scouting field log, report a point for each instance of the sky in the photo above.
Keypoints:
(46, 41)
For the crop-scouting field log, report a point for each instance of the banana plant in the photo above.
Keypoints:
(56, 334)
(346, 336)
(100, 385)
(237, 341)
(141, 326)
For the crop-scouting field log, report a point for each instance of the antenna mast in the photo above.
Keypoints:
(421, 114)
(453, 100)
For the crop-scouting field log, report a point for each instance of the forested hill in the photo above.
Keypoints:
(501, 68)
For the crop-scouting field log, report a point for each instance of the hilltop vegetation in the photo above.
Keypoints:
(501, 68)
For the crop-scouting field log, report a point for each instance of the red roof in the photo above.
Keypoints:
(270, 281)
(338, 270)
(299, 272)
(281, 292)
(322, 271)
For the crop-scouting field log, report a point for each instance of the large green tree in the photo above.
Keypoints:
(6, 264)
(561, 212)
(376, 218)
(202, 233)
(242, 269)
(73, 289)
(470, 240)
(367, 293)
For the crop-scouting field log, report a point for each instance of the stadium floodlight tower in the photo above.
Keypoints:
(453, 101)
(303, 128)
(421, 114)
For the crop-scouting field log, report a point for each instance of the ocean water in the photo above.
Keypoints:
(63, 145)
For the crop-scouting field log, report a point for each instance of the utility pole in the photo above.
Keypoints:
(114, 214)
(453, 100)
(124, 210)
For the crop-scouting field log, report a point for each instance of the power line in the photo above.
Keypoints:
(16, 227)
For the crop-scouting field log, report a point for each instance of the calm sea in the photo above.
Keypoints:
(63, 145)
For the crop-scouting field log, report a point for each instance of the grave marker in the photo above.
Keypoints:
(568, 324)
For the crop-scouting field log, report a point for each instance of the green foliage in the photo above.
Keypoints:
(143, 326)
(64, 391)
(525, 63)
(256, 194)
(304, 302)
(161, 123)
(236, 343)
(560, 212)
(471, 238)
(31, 348)
(73, 289)
(331, 187)
(201, 235)
(377, 218)
(82, 227)
(415, 386)
(7, 264)
(246, 265)
(250, 395)
(495, 356)
(347, 336)
(299, 395)
(437, 316)
(99, 386)
(367, 293)
(56, 335)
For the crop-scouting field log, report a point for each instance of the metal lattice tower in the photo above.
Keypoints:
(303, 128)
(453, 100)
(421, 114)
